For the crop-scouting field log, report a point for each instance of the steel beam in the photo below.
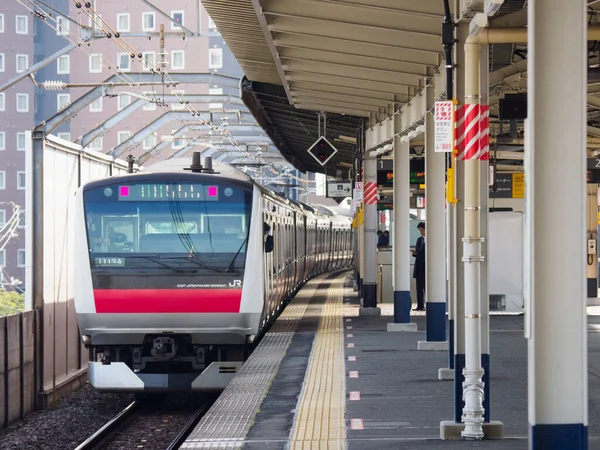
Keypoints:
(92, 95)
(167, 118)
(356, 33)
(379, 50)
(43, 63)
(116, 118)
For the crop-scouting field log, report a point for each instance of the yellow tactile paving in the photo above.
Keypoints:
(320, 415)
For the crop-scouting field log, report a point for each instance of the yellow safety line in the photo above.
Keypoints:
(320, 416)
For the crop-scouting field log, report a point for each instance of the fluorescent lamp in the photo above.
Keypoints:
(491, 7)
(478, 22)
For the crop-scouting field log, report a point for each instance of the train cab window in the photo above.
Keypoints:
(168, 220)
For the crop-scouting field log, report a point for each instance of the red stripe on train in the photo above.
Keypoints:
(168, 300)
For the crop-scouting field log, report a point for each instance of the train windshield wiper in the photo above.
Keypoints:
(231, 264)
(198, 263)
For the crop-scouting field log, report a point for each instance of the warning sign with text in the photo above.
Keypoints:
(444, 126)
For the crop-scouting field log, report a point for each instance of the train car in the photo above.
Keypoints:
(180, 268)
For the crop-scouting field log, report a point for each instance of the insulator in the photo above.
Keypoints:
(54, 85)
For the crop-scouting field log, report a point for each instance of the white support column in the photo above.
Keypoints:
(401, 248)
(484, 65)
(435, 286)
(369, 292)
(556, 322)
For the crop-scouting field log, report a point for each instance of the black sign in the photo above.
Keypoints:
(385, 172)
(503, 186)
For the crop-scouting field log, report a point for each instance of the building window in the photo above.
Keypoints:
(63, 65)
(21, 257)
(2, 104)
(20, 180)
(122, 136)
(177, 142)
(149, 142)
(124, 100)
(124, 62)
(65, 135)
(62, 100)
(96, 105)
(2, 217)
(215, 58)
(2, 259)
(211, 23)
(1, 62)
(22, 63)
(179, 106)
(148, 21)
(1, 23)
(62, 26)
(215, 91)
(149, 60)
(22, 102)
(96, 63)
(21, 141)
(96, 144)
(2, 140)
(150, 106)
(177, 17)
(2, 179)
(123, 22)
(21, 24)
(177, 60)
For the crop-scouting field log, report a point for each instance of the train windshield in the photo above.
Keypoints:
(168, 224)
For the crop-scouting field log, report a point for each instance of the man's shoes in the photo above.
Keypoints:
(418, 309)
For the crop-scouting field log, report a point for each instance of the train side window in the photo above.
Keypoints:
(269, 241)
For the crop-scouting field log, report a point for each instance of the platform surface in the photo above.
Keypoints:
(382, 394)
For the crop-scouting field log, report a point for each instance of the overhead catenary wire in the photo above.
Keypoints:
(87, 47)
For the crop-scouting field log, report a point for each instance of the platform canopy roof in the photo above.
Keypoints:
(352, 59)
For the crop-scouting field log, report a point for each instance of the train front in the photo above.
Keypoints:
(164, 296)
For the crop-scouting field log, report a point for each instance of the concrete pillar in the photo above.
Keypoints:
(592, 235)
(556, 322)
(435, 286)
(484, 194)
(369, 299)
(401, 247)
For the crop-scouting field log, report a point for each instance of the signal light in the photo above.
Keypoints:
(322, 150)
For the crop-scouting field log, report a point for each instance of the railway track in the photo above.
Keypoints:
(151, 423)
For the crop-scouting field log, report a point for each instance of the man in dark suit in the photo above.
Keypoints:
(419, 270)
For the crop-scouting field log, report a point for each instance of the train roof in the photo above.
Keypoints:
(180, 164)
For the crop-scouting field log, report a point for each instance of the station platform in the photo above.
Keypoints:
(325, 377)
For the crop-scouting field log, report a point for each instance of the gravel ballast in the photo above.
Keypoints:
(64, 426)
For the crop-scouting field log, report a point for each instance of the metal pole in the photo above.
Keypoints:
(401, 247)
(473, 385)
(556, 322)
(435, 286)
(38, 138)
(483, 201)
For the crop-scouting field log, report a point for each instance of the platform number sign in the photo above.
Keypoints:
(444, 126)
(322, 150)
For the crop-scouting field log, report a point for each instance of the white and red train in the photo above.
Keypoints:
(180, 269)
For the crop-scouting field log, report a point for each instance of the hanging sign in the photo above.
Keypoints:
(444, 127)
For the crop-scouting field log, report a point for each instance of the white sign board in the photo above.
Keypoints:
(444, 127)
(358, 191)
(339, 188)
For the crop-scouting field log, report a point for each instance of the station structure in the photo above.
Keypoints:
(385, 78)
